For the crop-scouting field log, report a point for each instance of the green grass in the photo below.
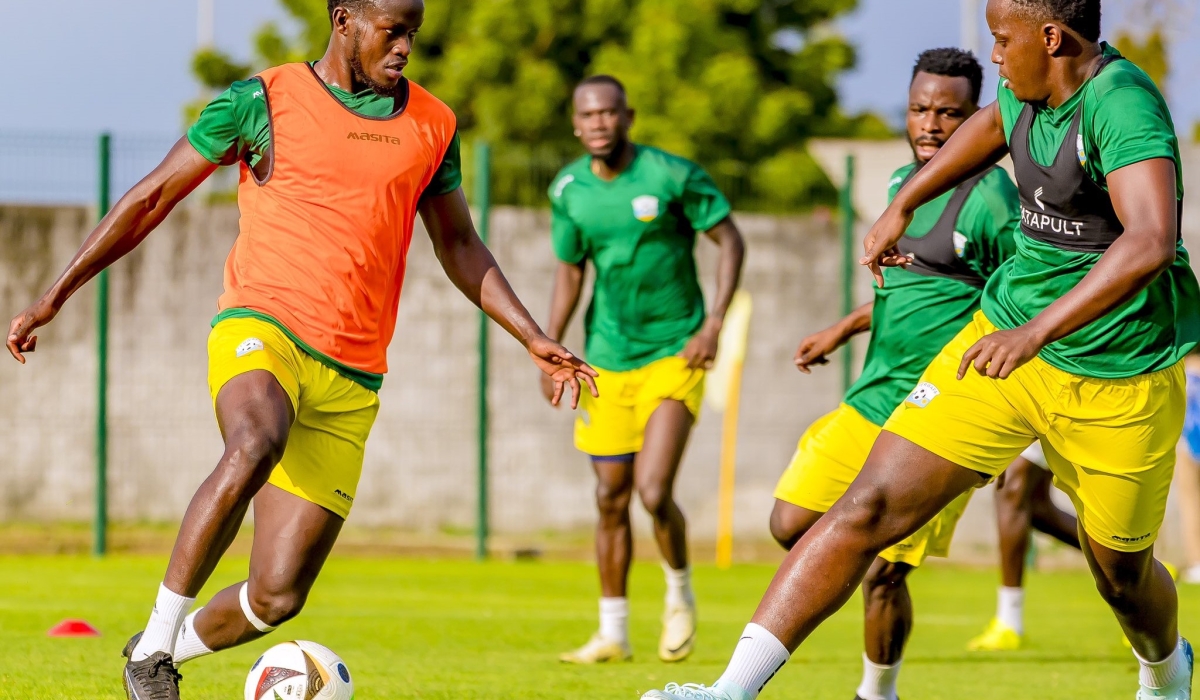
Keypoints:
(430, 629)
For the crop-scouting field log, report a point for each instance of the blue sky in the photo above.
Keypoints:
(123, 78)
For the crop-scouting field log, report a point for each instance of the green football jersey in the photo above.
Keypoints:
(639, 232)
(916, 315)
(236, 127)
(1124, 121)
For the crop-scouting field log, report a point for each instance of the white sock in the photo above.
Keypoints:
(188, 645)
(679, 586)
(758, 657)
(165, 620)
(1010, 608)
(879, 681)
(1163, 674)
(614, 619)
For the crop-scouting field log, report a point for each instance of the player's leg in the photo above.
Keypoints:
(1112, 449)
(1014, 517)
(888, 605)
(828, 457)
(655, 469)
(901, 488)
(789, 522)
(888, 622)
(1141, 593)
(1048, 518)
(614, 552)
(255, 415)
(292, 540)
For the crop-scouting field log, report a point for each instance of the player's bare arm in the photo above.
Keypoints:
(564, 300)
(702, 349)
(816, 348)
(1143, 196)
(977, 145)
(138, 213)
(470, 266)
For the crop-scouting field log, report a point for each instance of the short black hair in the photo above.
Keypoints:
(952, 63)
(1081, 16)
(602, 80)
(348, 4)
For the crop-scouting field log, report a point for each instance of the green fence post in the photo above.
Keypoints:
(103, 204)
(483, 201)
(849, 256)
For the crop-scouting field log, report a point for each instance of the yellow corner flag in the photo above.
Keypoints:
(724, 385)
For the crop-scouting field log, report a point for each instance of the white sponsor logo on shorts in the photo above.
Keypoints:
(923, 394)
(248, 346)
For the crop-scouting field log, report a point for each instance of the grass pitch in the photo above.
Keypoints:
(456, 629)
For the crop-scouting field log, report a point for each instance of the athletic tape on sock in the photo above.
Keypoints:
(244, 597)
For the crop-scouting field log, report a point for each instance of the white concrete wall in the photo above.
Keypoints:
(420, 468)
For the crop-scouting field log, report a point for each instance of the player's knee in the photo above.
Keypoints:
(612, 500)
(657, 500)
(275, 606)
(786, 526)
(885, 581)
(1121, 580)
(251, 455)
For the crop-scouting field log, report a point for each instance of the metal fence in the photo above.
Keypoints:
(57, 168)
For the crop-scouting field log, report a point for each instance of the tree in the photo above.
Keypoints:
(737, 85)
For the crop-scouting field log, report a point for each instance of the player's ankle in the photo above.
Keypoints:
(1165, 673)
(614, 619)
(188, 644)
(757, 658)
(170, 609)
(879, 680)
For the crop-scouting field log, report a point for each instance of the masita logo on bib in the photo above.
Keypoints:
(645, 208)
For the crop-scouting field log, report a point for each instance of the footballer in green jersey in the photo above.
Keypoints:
(1079, 344)
(634, 214)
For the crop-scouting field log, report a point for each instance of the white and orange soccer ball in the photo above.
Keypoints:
(299, 671)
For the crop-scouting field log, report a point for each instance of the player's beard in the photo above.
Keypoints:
(360, 74)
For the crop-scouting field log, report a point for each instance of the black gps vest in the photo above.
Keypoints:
(935, 254)
(1062, 205)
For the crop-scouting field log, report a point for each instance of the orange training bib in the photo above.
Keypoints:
(323, 240)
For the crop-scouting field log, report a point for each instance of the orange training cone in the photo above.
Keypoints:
(73, 628)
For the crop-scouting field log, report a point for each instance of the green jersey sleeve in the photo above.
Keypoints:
(565, 235)
(989, 220)
(1129, 126)
(703, 204)
(448, 177)
(1010, 110)
(235, 126)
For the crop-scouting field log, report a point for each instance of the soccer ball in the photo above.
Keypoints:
(299, 671)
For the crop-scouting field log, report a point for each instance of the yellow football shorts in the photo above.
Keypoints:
(1109, 442)
(324, 456)
(614, 424)
(830, 455)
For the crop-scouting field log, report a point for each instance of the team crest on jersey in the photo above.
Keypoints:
(645, 208)
(923, 394)
(1080, 150)
(960, 244)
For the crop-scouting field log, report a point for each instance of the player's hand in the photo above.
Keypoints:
(563, 369)
(20, 332)
(546, 383)
(998, 354)
(701, 350)
(816, 349)
(881, 242)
